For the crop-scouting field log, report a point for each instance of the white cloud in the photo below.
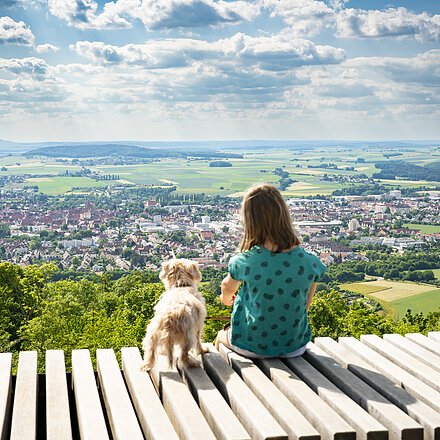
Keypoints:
(276, 53)
(83, 14)
(44, 48)
(13, 32)
(166, 14)
(304, 17)
(155, 14)
(421, 69)
(24, 66)
(392, 22)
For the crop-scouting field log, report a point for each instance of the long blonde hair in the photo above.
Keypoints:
(265, 216)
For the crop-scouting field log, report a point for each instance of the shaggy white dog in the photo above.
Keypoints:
(179, 316)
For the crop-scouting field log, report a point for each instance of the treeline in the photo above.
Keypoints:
(407, 170)
(37, 313)
(362, 190)
(89, 151)
(411, 266)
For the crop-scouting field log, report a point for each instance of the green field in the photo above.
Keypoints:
(396, 297)
(60, 185)
(424, 229)
(196, 176)
(425, 302)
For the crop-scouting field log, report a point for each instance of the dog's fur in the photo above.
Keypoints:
(179, 316)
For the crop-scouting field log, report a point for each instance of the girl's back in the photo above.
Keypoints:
(270, 315)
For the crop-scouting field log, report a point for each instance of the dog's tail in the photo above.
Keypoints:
(149, 345)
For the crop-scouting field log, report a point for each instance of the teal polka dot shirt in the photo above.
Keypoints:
(269, 316)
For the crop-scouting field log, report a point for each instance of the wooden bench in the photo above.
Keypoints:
(343, 390)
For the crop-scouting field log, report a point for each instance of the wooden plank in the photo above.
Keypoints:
(326, 421)
(153, 419)
(217, 412)
(58, 424)
(393, 372)
(434, 335)
(120, 412)
(257, 420)
(185, 415)
(399, 424)
(91, 420)
(409, 363)
(418, 410)
(284, 412)
(414, 350)
(423, 341)
(24, 413)
(5, 393)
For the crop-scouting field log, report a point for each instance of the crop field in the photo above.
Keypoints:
(425, 229)
(196, 176)
(396, 297)
(60, 185)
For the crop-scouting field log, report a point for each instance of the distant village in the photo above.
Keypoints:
(101, 239)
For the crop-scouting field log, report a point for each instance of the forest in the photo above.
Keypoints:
(38, 313)
(406, 170)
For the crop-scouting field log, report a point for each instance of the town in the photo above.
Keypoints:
(120, 228)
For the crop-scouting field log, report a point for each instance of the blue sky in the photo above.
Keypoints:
(218, 69)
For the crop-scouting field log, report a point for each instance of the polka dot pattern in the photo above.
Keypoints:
(269, 315)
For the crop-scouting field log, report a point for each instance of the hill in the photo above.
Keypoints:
(120, 150)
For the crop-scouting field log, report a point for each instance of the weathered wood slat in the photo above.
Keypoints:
(327, 422)
(434, 335)
(423, 341)
(418, 410)
(5, 393)
(286, 414)
(395, 373)
(91, 420)
(399, 424)
(414, 350)
(257, 420)
(120, 412)
(58, 424)
(409, 363)
(24, 413)
(217, 412)
(185, 415)
(153, 419)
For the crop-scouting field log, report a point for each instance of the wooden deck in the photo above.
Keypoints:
(373, 389)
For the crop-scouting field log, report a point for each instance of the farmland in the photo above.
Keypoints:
(425, 229)
(314, 171)
(396, 297)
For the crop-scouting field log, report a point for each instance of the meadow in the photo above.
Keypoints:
(425, 229)
(196, 176)
(396, 296)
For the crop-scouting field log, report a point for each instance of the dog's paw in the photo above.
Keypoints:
(188, 363)
(145, 367)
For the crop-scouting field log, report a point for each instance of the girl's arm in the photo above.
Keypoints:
(311, 295)
(229, 288)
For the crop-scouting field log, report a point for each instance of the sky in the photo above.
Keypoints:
(78, 70)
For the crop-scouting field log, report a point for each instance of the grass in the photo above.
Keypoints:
(396, 297)
(362, 288)
(425, 302)
(196, 176)
(424, 229)
(60, 185)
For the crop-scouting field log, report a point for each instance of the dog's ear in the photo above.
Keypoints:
(166, 266)
(195, 272)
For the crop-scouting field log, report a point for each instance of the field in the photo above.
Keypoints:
(196, 176)
(60, 185)
(396, 297)
(425, 229)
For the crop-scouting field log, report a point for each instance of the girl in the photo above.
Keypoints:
(278, 280)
